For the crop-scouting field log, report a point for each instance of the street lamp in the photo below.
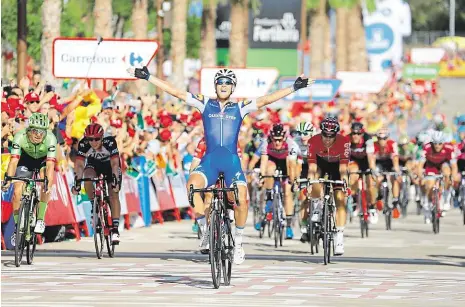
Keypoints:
(162, 7)
(451, 17)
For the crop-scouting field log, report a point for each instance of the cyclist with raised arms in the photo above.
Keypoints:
(99, 155)
(33, 148)
(279, 153)
(222, 121)
(329, 153)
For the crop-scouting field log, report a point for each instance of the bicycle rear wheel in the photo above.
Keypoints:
(108, 239)
(228, 252)
(215, 248)
(98, 228)
(434, 212)
(387, 209)
(276, 222)
(20, 235)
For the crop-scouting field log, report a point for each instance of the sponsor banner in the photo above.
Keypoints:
(60, 209)
(426, 55)
(223, 24)
(131, 194)
(162, 189)
(110, 60)
(178, 186)
(322, 90)
(276, 25)
(420, 72)
(362, 82)
(453, 62)
(76, 199)
(154, 205)
(251, 82)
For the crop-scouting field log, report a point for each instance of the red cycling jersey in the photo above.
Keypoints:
(202, 148)
(435, 159)
(388, 152)
(338, 152)
(461, 151)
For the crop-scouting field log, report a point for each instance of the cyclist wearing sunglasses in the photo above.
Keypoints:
(329, 153)
(279, 153)
(362, 149)
(438, 157)
(32, 148)
(386, 159)
(222, 120)
(99, 155)
(304, 132)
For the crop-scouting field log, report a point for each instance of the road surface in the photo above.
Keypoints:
(159, 266)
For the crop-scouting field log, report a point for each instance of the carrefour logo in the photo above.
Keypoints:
(379, 38)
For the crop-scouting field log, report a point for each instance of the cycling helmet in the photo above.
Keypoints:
(383, 133)
(404, 139)
(461, 129)
(305, 128)
(357, 127)
(93, 130)
(330, 125)
(31, 96)
(277, 131)
(226, 73)
(39, 121)
(437, 137)
(423, 138)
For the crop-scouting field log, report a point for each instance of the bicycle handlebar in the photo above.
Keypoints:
(321, 180)
(192, 191)
(27, 180)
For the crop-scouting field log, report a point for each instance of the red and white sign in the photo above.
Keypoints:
(83, 58)
(178, 186)
(251, 82)
(60, 209)
(131, 193)
(163, 192)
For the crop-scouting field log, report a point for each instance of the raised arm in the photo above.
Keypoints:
(143, 73)
(301, 82)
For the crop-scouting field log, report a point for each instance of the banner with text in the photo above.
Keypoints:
(323, 90)
(420, 72)
(362, 82)
(60, 209)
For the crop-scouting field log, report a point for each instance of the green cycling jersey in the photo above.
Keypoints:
(407, 152)
(47, 148)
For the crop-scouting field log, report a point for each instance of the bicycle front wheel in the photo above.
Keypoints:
(326, 234)
(98, 229)
(276, 223)
(21, 228)
(228, 252)
(32, 243)
(215, 248)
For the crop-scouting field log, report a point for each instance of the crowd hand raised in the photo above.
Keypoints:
(139, 73)
(302, 82)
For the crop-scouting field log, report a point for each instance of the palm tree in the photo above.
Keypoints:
(178, 41)
(51, 18)
(140, 19)
(208, 40)
(103, 14)
(238, 39)
(320, 39)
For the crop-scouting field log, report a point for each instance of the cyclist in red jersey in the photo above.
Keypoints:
(386, 159)
(438, 157)
(329, 153)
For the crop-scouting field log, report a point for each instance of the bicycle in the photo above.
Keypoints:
(28, 210)
(384, 192)
(328, 229)
(222, 245)
(438, 189)
(362, 205)
(461, 195)
(277, 208)
(101, 216)
(255, 196)
(313, 228)
(404, 196)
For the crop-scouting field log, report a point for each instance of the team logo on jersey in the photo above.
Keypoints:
(15, 146)
(199, 97)
(51, 149)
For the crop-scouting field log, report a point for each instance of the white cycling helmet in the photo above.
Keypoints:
(306, 127)
(438, 137)
(226, 73)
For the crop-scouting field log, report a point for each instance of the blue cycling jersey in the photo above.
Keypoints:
(221, 127)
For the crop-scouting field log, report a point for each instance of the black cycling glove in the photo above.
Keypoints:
(142, 73)
(300, 83)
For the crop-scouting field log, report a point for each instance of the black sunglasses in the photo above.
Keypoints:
(356, 133)
(94, 139)
(222, 81)
(33, 102)
(329, 136)
(382, 138)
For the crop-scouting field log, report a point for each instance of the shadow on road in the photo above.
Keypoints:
(196, 257)
(448, 256)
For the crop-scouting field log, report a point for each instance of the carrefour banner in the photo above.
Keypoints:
(384, 29)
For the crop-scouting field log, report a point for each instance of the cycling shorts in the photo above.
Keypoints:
(385, 165)
(361, 163)
(221, 160)
(330, 168)
(434, 168)
(281, 164)
(461, 165)
(100, 168)
(304, 173)
(27, 164)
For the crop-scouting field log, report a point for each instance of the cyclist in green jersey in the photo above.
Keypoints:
(407, 152)
(33, 148)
